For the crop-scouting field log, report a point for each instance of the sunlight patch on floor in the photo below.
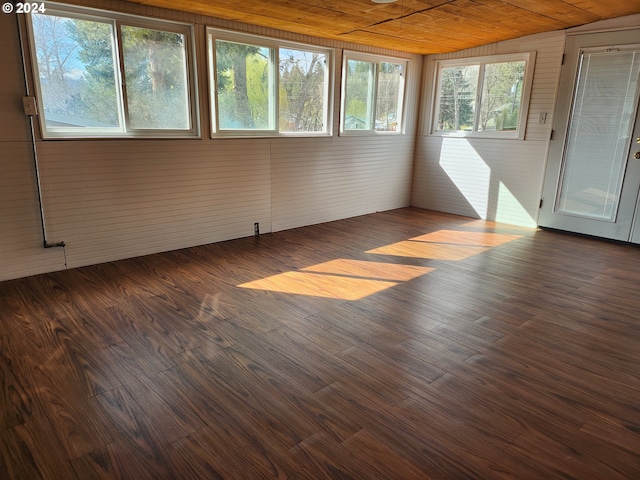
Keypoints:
(320, 285)
(350, 279)
(377, 270)
(458, 237)
(431, 251)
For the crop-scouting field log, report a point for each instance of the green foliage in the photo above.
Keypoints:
(499, 103)
(82, 89)
(97, 98)
(302, 93)
(372, 95)
(156, 79)
(389, 75)
(359, 93)
(457, 97)
(234, 107)
(501, 96)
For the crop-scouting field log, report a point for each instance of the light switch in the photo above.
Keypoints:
(29, 105)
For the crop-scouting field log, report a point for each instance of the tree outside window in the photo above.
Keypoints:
(373, 93)
(79, 76)
(487, 97)
(262, 86)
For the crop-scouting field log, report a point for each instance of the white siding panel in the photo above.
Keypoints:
(327, 179)
(492, 178)
(115, 199)
(480, 178)
(21, 243)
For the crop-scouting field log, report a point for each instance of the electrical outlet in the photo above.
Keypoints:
(256, 228)
(542, 117)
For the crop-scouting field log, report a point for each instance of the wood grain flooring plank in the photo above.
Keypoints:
(519, 361)
(356, 328)
(241, 396)
(96, 465)
(513, 397)
(76, 418)
(303, 414)
(16, 389)
(444, 439)
(382, 460)
(236, 453)
(149, 347)
(234, 422)
(573, 458)
(400, 371)
(77, 358)
(590, 403)
(254, 346)
(33, 451)
(171, 418)
(139, 449)
(326, 459)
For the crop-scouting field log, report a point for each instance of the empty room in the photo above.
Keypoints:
(320, 239)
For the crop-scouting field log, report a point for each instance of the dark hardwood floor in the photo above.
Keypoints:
(402, 345)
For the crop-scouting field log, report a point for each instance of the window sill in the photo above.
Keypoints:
(477, 135)
(270, 134)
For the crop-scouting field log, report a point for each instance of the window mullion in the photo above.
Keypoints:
(213, 92)
(120, 77)
(371, 96)
(274, 96)
(476, 120)
(374, 99)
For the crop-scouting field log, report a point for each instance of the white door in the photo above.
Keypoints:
(593, 178)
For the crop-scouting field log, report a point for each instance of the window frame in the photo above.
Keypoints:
(117, 20)
(274, 45)
(481, 62)
(376, 60)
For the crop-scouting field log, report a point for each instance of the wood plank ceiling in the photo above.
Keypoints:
(416, 26)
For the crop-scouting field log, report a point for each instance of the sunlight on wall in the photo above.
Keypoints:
(510, 210)
(468, 171)
(474, 179)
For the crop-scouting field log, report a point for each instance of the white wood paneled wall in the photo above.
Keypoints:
(345, 177)
(21, 247)
(122, 198)
(491, 178)
(114, 199)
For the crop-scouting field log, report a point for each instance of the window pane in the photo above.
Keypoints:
(155, 68)
(458, 87)
(388, 98)
(501, 96)
(359, 93)
(244, 86)
(76, 73)
(303, 91)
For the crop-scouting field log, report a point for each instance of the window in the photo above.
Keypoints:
(372, 94)
(85, 90)
(262, 86)
(483, 96)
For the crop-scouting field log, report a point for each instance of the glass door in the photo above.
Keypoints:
(593, 178)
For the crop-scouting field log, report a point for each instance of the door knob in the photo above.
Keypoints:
(637, 155)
